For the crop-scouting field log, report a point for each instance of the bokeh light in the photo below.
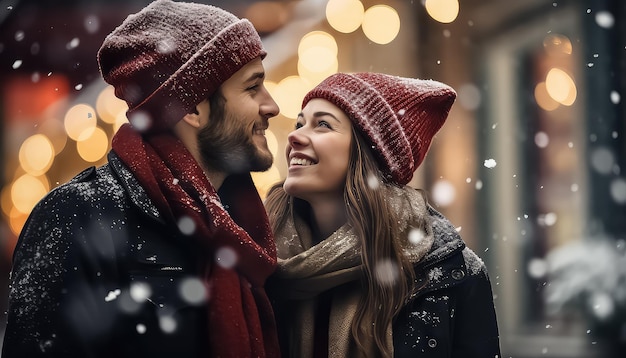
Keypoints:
(444, 11)
(36, 154)
(27, 190)
(561, 87)
(557, 44)
(94, 147)
(289, 94)
(79, 121)
(53, 128)
(381, 24)
(345, 15)
(109, 106)
(543, 98)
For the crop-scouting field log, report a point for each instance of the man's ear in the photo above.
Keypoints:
(195, 118)
(192, 119)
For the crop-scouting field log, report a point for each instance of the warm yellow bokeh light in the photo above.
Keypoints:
(344, 15)
(272, 142)
(264, 180)
(317, 59)
(27, 190)
(315, 77)
(17, 220)
(109, 106)
(94, 147)
(80, 120)
(289, 94)
(444, 11)
(6, 203)
(53, 129)
(381, 24)
(543, 99)
(561, 87)
(557, 44)
(271, 87)
(317, 39)
(36, 154)
(119, 120)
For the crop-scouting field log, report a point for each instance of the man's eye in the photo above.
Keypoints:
(299, 125)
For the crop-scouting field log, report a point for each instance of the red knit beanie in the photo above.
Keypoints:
(398, 116)
(170, 56)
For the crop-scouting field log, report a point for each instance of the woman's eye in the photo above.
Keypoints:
(299, 125)
(324, 124)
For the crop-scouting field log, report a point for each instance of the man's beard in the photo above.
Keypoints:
(227, 147)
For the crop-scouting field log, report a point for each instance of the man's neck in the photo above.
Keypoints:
(215, 178)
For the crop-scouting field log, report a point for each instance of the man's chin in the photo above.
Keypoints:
(262, 164)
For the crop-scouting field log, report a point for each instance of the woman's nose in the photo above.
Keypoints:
(297, 138)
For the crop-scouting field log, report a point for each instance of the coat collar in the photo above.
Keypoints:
(137, 194)
(443, 266)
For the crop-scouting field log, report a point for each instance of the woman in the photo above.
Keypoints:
(366, 266)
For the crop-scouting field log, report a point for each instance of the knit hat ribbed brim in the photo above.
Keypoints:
(170, 56)
(398, 116)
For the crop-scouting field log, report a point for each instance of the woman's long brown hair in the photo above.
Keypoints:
(374, 222)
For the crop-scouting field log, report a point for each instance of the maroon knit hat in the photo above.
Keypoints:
(170, 56)
(398, 116)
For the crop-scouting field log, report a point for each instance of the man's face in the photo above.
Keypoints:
(233, 141)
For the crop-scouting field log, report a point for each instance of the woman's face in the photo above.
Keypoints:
(318, 152)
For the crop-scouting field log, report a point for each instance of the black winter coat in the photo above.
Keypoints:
(84, 260)
(453, 315)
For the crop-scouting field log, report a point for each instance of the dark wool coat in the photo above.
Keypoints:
(453, 315)
(82, 249)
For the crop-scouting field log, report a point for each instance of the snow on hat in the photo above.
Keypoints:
(398, 116)
(170, 56)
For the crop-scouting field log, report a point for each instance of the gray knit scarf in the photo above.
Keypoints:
(304, 271)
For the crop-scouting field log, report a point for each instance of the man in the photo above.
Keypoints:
(164, 250)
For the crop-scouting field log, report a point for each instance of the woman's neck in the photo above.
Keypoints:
(327, 216)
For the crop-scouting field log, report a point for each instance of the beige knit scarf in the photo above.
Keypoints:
(304, 271)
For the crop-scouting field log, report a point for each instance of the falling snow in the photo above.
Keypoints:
(605, 19)
(490, 163)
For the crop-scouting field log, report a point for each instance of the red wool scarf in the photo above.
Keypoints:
(241, 319)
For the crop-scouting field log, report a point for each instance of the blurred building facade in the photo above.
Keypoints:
(529, 165)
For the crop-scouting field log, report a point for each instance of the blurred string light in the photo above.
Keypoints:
(381, 24)
(444, 11)
(94, 146)
(37, 152)
(27, 190)
(555, 44)
(559, 87)
(264, 180)
(79, 121)
(289, 94)
(317, 57)
(345, 15)
(109, 107)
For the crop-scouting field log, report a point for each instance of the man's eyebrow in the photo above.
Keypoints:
(255, 76)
